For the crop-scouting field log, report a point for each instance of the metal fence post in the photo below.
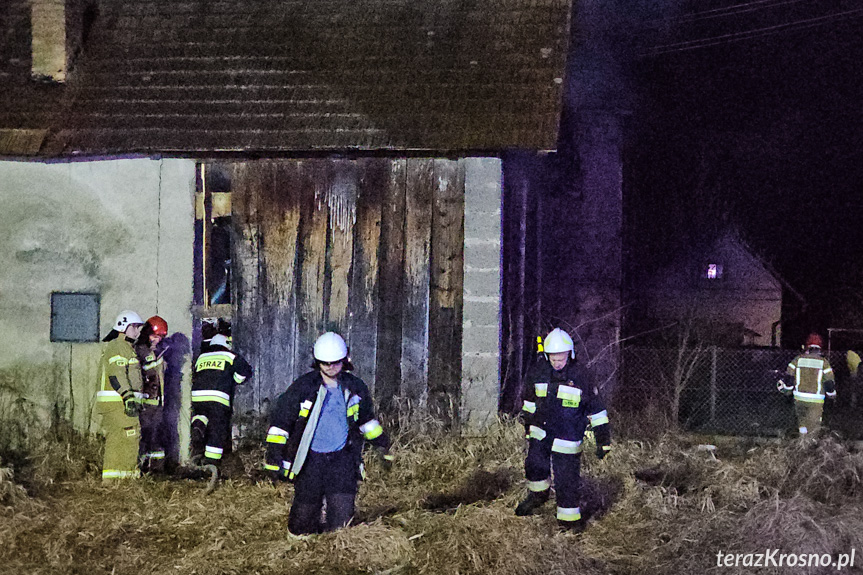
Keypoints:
(713, 355)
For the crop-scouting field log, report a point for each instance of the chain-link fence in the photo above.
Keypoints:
(726, 391)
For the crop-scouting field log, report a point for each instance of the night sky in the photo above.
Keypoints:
(751, 114)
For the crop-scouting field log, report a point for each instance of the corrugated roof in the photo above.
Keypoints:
(318, 75)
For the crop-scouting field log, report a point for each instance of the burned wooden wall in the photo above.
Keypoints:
(371, 248)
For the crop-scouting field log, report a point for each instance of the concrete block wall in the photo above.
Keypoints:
(481, 314)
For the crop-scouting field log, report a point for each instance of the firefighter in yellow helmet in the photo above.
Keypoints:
(560, 402)
(118, 400)
(811, 380)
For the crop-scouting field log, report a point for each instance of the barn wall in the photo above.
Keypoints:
(122, 229)
(372, 248)
(563, 244)
(521, 317)
(581, 245)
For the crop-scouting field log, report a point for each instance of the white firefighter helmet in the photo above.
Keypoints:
(221, 340)
(125, 319)
(330, 347)
(558, 341)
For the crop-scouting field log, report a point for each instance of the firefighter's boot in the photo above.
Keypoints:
(197, 445)
(531, 503)
(577, 526)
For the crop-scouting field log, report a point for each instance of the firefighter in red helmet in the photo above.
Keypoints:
(811, 381)
(151, 349)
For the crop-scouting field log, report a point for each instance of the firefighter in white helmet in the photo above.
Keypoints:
(316, 436)
(811, 380)
(560, 402)
(118, 400)
(217, 373)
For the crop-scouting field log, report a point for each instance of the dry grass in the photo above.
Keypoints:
(663, 506)
(12, 495)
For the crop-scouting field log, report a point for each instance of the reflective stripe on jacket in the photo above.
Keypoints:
(561, 405)
(216, 374)
(813, 377)
(295, 417)
(119, 371)
(153, 369)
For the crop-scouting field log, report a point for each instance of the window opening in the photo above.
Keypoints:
(712, 272)
(214, 236)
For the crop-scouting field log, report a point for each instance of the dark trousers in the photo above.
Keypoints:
(567, 470)
(329, 478)
(152, 448)
(211, 431)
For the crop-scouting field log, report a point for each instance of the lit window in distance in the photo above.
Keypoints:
(713, 272)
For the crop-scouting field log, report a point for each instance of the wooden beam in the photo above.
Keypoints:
(280, 223)
(364, 286)
(341, 198)
(415, 327)
(513, 272)
(313, 251)
(247, 181)
(447, 281)
(388, 370)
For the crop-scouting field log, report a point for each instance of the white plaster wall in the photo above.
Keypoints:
(121, 228)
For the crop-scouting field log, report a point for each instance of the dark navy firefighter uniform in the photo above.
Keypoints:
(558, 408)
(151, 454)
(315, 440)
(217, 373)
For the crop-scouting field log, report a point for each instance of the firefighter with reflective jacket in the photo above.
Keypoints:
(118, 400)
(560, 402)
(811, 380)
(316, 436)
(218, 371)
(151, 354)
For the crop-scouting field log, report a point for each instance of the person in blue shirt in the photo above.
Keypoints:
(316, 436)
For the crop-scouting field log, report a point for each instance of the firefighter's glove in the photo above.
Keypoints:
(277, 476)
(602, 451)
(132, 405)
(784, 389)
(387, 459)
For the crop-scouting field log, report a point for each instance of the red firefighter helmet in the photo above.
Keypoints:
(158, 326)
(814, 340)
